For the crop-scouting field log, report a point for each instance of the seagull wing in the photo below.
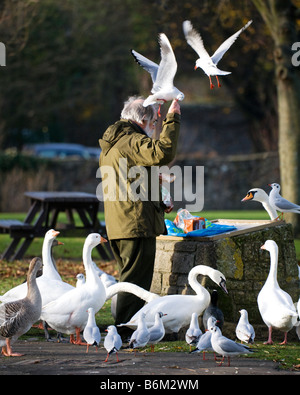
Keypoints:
(167, 66)
(109, 342)
(230, 346)
(147, 64)
(243, 333)
(155, 333)
(283, 204)
(217, 56)
(194, 39)
(117, 341)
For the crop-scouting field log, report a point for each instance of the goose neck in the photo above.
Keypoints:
(33, 292)
(46, 254)
(272, 277)
(91, 275)
(48, 267)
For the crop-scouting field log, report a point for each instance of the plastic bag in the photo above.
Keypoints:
(187, 222)
(166, 196)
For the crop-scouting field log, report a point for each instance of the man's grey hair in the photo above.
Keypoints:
(135, 111)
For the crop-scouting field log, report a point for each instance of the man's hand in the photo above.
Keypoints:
(174, 107)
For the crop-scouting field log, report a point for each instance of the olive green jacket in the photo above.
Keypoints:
(125, 145)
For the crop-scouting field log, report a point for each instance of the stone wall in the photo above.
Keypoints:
(238, 257)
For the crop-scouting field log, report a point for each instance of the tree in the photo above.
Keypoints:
(280, 18)
(68, 69)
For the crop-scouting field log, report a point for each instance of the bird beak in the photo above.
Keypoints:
(223, 285)
(263, 247)
(103, 240)
(60, 243)
(195, 68)
(105, 330)
(56, 233)
(249, 196)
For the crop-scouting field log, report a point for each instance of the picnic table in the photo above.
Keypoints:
(43, 215)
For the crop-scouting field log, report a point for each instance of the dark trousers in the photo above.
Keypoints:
(135, 258)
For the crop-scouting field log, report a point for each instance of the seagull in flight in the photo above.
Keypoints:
(209, 63)
(162, 75)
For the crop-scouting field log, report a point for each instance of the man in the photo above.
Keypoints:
(133, 216)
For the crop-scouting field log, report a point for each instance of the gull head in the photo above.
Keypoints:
(275, 186)
(180, 96)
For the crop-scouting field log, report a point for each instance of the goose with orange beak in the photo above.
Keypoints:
(68, 313)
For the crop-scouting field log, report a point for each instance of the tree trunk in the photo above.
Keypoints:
(280, 17)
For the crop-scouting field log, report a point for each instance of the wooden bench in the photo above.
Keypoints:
(17, 230)
(13, 225)
(43, 215)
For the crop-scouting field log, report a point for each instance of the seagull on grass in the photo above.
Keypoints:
(244, 330)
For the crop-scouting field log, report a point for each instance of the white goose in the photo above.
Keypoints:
(259, 195)
(179, 308)
(50, 283)
(49, 269)
(68, 314)
(275, 305)
(17, 317)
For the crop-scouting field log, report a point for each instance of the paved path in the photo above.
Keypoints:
(47, 358)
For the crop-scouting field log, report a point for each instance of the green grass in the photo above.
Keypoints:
(72, 248)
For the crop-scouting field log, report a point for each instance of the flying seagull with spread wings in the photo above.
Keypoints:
(209, 63)
(162, 75)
